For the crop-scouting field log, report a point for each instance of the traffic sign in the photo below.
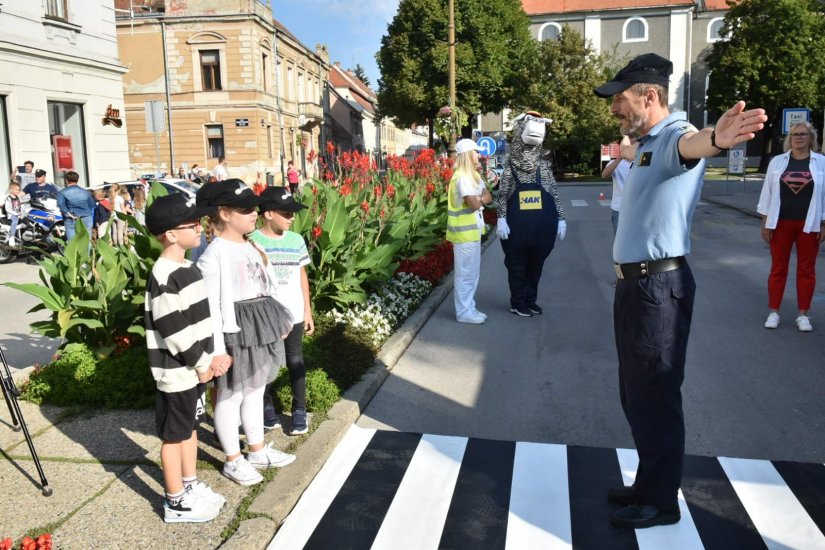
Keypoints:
(791, 117)
(488, 146)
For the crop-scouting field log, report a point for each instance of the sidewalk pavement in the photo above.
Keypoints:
(104, 466)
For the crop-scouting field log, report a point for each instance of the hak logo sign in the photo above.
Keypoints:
(529, 200)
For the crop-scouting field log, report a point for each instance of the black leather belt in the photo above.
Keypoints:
(648, 267)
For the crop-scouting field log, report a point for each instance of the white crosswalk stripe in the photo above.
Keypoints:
(395, 490)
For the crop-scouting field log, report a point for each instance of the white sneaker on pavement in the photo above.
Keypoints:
(803, 322)
(477, 313)
(269, 457)
(202, 490)
(472, 319)
(241, 472)
(190, 508)
(773, 320)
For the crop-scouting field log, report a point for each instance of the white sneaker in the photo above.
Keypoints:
(803, 322)
(190, 508)
(477, 313)
(12, 241)
(472, 319)
(202, 490)
(241, 472)
(269, 457)
(773, 320)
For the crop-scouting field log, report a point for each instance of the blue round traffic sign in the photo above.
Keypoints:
(487, 145)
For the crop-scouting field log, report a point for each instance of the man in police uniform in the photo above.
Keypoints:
(653, 304)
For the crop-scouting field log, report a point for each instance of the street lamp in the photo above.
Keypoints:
(451, 50)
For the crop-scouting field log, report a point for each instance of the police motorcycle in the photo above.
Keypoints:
(39, 228)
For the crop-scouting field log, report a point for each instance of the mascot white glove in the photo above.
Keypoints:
(502, 229)
(562, 231)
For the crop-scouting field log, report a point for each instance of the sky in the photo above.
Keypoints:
(351, 29)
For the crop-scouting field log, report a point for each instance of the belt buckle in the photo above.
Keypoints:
(618, 269)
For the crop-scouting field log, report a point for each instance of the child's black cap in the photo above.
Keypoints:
(168, 212)
(232, 192)
(280, 199)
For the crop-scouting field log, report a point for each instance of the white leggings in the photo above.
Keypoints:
(246, 405)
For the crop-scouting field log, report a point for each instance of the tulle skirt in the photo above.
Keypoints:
(257, 350)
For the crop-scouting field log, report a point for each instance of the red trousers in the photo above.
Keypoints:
(786, 234)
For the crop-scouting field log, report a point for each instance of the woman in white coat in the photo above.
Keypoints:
(792, 204)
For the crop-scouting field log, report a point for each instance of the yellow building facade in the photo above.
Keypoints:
(238, 83)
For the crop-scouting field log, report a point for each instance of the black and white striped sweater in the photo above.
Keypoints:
(178, 326)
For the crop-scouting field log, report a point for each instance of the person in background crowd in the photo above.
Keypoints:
(41, 189)
(221, 172)
(16, 205)
(292, 177)
(139, 204)
(103, 212)
(618, 169)
(792, 204)
(195, 174)
(28, 168)
(117, 223)
(466, 198)
(76, 205)
(653, 304)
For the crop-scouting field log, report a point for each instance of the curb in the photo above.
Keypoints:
(282, 493)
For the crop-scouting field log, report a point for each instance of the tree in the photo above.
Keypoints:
(565, 72)
(771, 55)
(493, 45)
(361, 73)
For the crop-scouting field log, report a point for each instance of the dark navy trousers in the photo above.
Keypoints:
(651, 322)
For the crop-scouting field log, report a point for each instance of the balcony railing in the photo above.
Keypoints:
(311, 110)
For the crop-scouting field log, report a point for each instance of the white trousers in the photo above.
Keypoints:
(466, 268)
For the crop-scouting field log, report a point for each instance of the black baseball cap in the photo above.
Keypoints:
(233, 193)
(39, 172)
(279, 198)
(170, 211)
(647, 68)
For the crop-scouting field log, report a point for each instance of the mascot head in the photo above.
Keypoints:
(528, 135)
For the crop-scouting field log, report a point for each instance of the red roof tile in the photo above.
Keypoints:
(538, 7)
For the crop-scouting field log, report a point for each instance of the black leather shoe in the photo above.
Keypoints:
(639, 517)
(622, 495)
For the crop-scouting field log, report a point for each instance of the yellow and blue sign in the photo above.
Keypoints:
(529, 200)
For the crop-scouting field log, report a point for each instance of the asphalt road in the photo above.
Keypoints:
(749, 392)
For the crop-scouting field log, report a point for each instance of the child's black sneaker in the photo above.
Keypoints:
(299, 422)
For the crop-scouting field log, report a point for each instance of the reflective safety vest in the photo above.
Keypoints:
(462, 221)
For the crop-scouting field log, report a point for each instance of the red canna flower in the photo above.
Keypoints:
(328, 175)
(345, 190)
(330, 148)
(390, 190)
(382, 213)
(6, 544)
(28, 543)
(316, 232)
(312, 155)
(44, 542)
(377, 191)
(365, 206)
(430, 188)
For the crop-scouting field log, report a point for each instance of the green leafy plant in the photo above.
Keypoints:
(322, 393)
(78, 377)
(95, 291)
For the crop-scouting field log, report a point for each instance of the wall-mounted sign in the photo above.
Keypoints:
(63, 157)
(112, 117)
(241, 122)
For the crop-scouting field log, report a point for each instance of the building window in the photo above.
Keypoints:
(300, 87)
(5, 155)
(635, 30)
(66, 120)
(549, 31)
(290, 84)
(214, 140)
(57, 9)
(211, 69)
(265, 70)
(715, 29)
(269, 141)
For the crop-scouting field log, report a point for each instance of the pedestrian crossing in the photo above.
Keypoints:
(402, 491)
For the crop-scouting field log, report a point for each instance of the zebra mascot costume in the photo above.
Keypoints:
(530, 215)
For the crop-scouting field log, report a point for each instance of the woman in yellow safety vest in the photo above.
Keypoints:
(465, 225)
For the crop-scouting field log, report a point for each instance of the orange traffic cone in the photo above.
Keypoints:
(601, 196)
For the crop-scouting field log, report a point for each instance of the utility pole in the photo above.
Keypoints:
(451, 48)
(172, 166)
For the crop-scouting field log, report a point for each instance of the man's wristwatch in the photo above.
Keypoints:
(713, 141)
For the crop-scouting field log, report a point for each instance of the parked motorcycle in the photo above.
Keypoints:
(39, 228)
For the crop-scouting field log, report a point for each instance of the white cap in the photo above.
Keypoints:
(465, 145)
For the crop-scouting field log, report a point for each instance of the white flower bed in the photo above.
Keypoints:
(386, 309)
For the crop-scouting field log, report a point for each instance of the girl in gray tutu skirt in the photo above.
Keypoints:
(248, 324)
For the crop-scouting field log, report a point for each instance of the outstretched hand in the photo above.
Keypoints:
(738, 125)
